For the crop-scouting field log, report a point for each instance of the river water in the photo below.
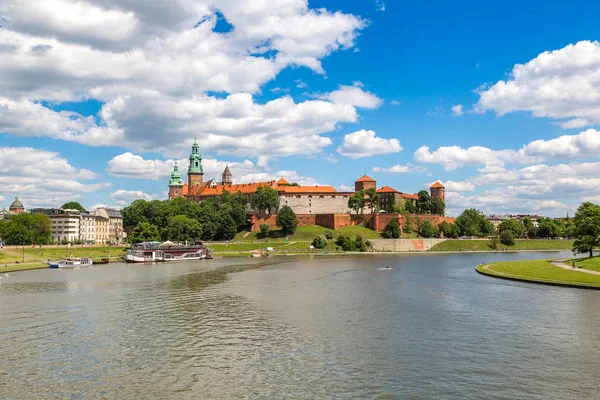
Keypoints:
(323, 327)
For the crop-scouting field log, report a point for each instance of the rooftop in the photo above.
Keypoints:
(365, 178)
(437, 184)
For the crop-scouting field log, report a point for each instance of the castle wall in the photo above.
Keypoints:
(315, 203)
(404, 244)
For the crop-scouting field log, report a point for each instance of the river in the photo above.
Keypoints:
(322, 327)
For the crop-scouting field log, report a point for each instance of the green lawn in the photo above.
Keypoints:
(592, 263)
(542, 271)
(520, 244)
(37, 254)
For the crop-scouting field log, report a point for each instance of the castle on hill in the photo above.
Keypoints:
(303, 199)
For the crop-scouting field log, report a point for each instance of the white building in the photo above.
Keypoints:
(66, 226)
(87, 228)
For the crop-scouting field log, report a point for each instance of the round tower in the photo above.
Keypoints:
(195, 173)
(175, 183)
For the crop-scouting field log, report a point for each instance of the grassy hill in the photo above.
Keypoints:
(520, 244)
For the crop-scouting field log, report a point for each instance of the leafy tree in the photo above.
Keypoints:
(587, 228)
(472, 223)
(373, 199)
(411, 223)
(144, 232)
(265, 229)
(359, 244)
(424, 202)
(438, 207)
(548, 228)
(507, 238)
(286, 219)
(449, 230)
(427, 230)
(294, 184)
(410, 206)
(227, 228)
(345, 243)
(265, 199)
(319, 242)
(356, 202)
(183, 229)
(135, 213)
(391, 230)
(493, 243)
(513, 225)
(530, 230)
(73, 205)
(27, 229)
(329, 235)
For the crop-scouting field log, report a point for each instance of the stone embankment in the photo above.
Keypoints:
(404, 244)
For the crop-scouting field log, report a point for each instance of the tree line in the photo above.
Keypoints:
(370, 199)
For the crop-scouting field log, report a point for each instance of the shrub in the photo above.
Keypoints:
(507, 238)
(319, 242)
(265, 229)
(345, 243)
(329, 235)
(391, 230)
(359, 244)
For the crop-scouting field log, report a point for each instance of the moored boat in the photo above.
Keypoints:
(101, 260)
(173, 252)
(71, 262)
(147, 252)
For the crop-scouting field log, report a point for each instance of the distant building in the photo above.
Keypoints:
(16, 207)
(4, 214)
(102, 226)
(87, 228)
(391, 197)
(437, 190)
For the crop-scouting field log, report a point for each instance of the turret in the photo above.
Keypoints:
(438, 190)
(16, 207)
(175, 183)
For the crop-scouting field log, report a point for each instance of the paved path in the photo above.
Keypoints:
(561, 264)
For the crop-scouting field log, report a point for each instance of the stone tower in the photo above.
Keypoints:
(226, 177)
(365, 182)
(438, 190)
(175, 183)
(195, 173)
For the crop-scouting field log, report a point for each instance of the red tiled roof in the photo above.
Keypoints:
(387, 189)
(365, 178)
(282, 182)
(437, 184)
(244, 188)
(184, 189)
(410, 196)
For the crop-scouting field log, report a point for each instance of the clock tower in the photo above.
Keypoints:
(195, 173)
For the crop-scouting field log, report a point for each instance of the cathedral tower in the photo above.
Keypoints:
(175, 183)
(195, 173)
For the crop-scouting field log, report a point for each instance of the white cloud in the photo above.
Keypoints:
(457, 110)
(584, 144)
(556, 84)
(575, 123)
(354, 96)
(345, 188)
(331, 158)
(395, 103)
(452, 186)
(401, 169)
(364, 143)
(128, 165)
(42, 178)
(152, 67)
(126, 197)
(380, 5)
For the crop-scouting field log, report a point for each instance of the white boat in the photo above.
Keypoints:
(147, 252)
(185, 253)
(71, 262)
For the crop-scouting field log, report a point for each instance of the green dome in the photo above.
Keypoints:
(16, 204)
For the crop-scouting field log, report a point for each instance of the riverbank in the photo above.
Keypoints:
(520, 244)
(547, 272)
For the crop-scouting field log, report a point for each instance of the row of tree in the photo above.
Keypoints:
(26, 229)
(371, 200)
(214, 219)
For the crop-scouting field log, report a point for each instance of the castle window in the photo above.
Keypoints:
(310, 197)
(321, 197)
(175, 191)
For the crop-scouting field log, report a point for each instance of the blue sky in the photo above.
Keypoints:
(499, 101)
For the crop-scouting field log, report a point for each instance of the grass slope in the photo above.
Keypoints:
(39, 255)
(540, 271)
(520, 244)
(592, 263)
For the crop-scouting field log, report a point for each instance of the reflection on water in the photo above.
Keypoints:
(311, 328)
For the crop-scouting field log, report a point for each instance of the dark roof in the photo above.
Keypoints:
(16, 204)
(112, 213)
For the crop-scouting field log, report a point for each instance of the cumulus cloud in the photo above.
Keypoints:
(584, 144)
(151, 67)
(457, 110)
(364, 143)
(354, 96)
(556, 84)
(401, 169)
(43, 177)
